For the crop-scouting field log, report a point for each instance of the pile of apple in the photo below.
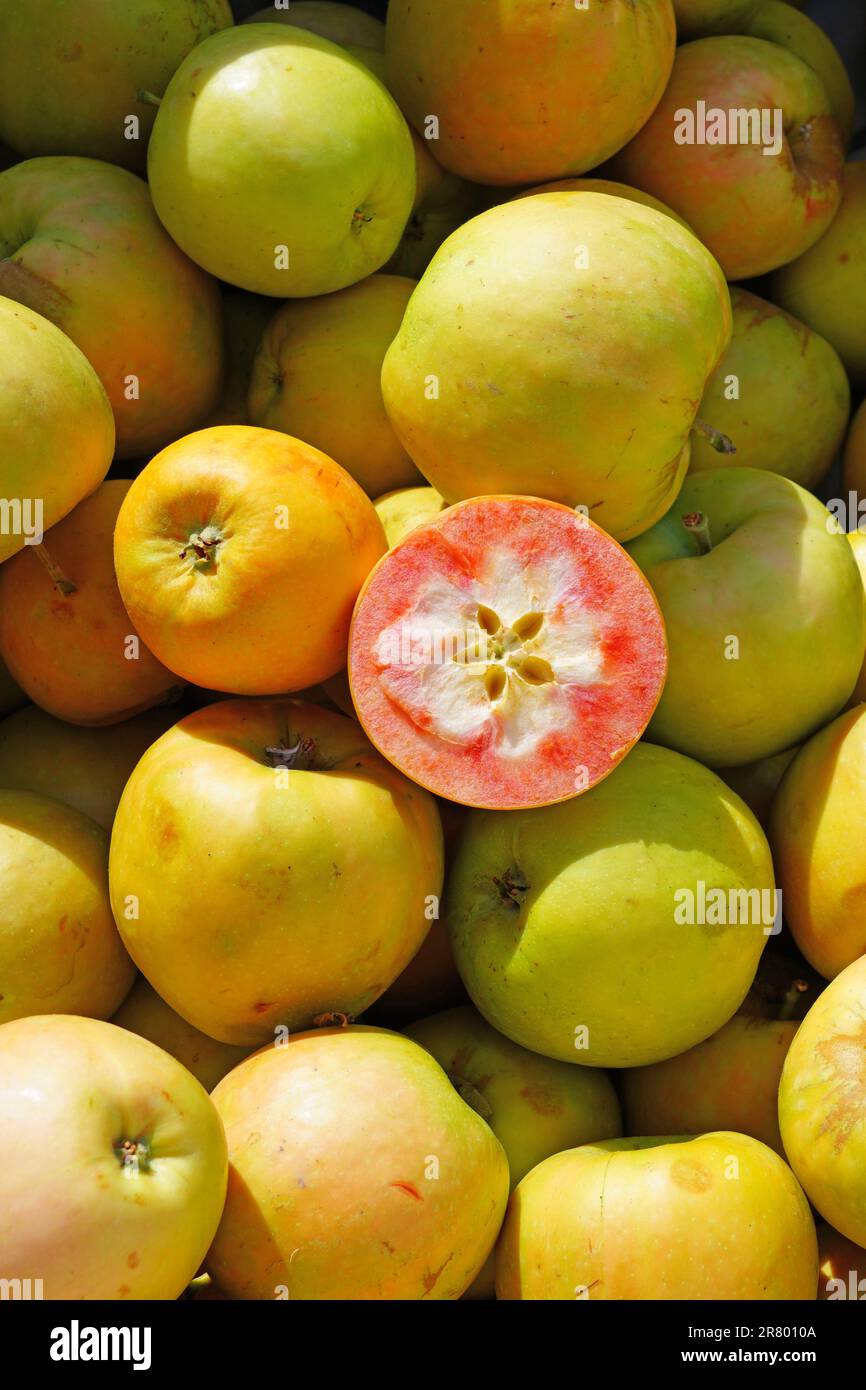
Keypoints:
(433, 763)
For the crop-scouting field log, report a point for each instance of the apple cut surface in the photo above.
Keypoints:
(506, 654)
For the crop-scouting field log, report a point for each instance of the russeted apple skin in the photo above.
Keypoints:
(312, 823)
(56, 425)
(468, 65)
(564, 921)
(314, 211)
(356, 1172)
(766, 628)
(718, 1217)
(729, 1081)
(818, 816)
(754, 212)
(822, 1103)
(826, 285)
(489, 382)
(97, 1225)
(780, 393)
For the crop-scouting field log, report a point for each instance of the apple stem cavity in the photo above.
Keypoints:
(58, 578)
(722, 443)
(299, 757)
(332, 1020)
(472, 1096)
(698, 525)
(512, 888)
(134, 1156)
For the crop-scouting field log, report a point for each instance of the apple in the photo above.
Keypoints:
(316, 375)
(609, 186)
(145, 1013)
(754, 210)
(59, 948)
(534, 1105)
(246, 318)
(764, 612)
(317, 210)
(444, 207)
(841, 1266)
(84, 767)
(621, 927)
(757, 782)
(56, 426)
(356, 1172)
(506, 654)
(131, 1198)
(320, 886)
(854, 458)
(405, 508)
(729, 1081)
(239, 554)
(339, 23)
(826, 286)
(779, 22)
(521, 93)
(857, 540)
(719, 1218)
(818, 816)
(93, 59)
(780, 393)
(64, 633)
(493, 348)
(84, 247)
(822, 1103)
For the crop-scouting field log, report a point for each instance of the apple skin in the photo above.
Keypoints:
(758, 782)
(70, 652)
(729, 1081)
(89, 1225)
(532, 897)
(12, 697)
(405, 508)
(822, 1103)
(246, 318)
(754, 211)
(336, 190)
(93, 57)
(854, 457)
(84, 247)
(532, 91)
(84, 767)
(794, 399)
(145, 1013)
(608, 186)
(56, 425)
(826, 286)
(339, 23)
(778, 22)
(497, 322)
(535, 1106)
(782, 581)
(840, 1262)
(60, 951)
(717, 1217)
(857, 541)
(816, 825)
(332, 1191)
(316, 375)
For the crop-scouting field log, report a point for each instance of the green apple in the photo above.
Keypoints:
(822, 1103)
(405, 508)
(618, 928)
(112, 1162)
(339, 23)
(146, 1013)
(56, 427)
(719, 1217)
(780, 393)
(764, 609)
(280, 163)
(758, 782)
(72, 71)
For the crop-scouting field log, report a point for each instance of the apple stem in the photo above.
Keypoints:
(58, 578)
(148, 98)
(698, 525)
(790, 999)
(718, 441)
